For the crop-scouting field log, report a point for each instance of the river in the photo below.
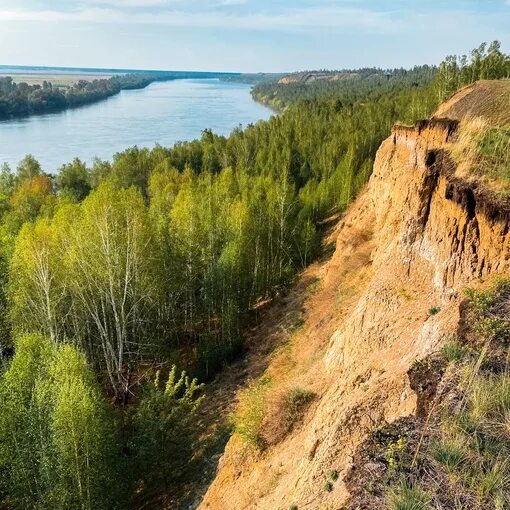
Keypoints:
(163, 113)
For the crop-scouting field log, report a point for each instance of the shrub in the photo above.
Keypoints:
(164, 429)
(286, 408)
(333, 475)
(328, 486)
(251, 412)
(434, 310)
(488, 310)
(395, 453)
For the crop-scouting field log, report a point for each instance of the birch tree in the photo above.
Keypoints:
(112, 268)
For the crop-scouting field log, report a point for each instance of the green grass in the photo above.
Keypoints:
(485, 150)
(490, 398)
(407, 497)
(449, 452)
(454, 351)
(492, 482)
(494, 154)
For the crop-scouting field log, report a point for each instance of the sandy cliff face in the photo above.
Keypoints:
(390, 295)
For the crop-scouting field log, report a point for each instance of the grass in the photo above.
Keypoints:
(494, 154)
(454, 351)
(493, 481)
(449, 452)
(465, 457)
(407, 497)
(484, 150)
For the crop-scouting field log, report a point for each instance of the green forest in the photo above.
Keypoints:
(21, 99)
(487, 62)
(127, 285)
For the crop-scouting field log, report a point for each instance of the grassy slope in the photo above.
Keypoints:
(482, 150)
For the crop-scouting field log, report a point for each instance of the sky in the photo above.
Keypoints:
(246, 35)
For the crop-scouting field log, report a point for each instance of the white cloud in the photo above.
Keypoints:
(337, 17)
(134, 3)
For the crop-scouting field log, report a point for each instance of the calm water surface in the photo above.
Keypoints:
(162, 113)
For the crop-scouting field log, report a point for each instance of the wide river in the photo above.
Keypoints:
(163, 113)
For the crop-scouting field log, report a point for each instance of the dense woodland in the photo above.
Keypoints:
(117, 277)
(486, 62)
(20, 99)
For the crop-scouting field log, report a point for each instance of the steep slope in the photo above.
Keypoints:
(389, 296)
(483, 99)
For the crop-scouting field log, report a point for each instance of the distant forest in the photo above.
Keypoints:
(485, 62)
(22, 99)
(125, 283)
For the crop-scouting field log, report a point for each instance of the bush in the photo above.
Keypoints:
(328, 486)
(285, 409)
(164, 429)
(333, 475)
(488, 311)
(250, 413)
(434, 310)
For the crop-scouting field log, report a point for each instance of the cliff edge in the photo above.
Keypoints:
(424, 228)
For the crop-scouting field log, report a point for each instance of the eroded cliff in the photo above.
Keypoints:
(390, 295)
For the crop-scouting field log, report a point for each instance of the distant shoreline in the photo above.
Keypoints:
(24, 91)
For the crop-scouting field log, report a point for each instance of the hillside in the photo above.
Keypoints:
(334, 359)
(489, 100)
(311, 76)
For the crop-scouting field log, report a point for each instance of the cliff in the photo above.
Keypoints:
(389, 296)
(308, 77)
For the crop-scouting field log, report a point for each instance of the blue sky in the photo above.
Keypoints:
(246, 35)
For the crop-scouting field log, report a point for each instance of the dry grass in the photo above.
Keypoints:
(57, 79)
(284, 410)
(458, 457)
(486, 99)
(483, 150)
